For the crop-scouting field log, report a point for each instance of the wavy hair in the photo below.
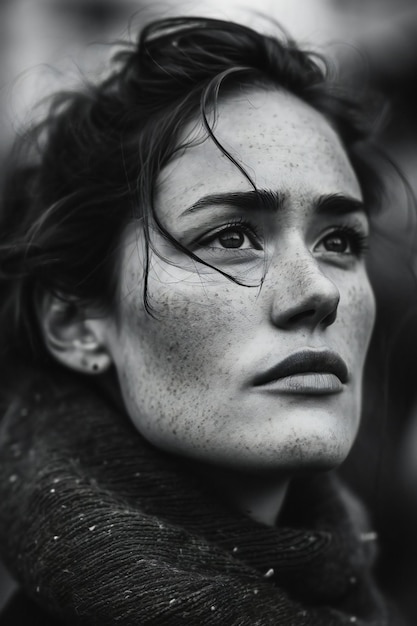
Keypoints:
(93, 163)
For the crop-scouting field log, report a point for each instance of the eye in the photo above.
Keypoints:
(238, 236)
(232, 238)
(337, 242)
(345, 241)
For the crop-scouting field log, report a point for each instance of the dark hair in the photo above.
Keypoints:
(93, 163)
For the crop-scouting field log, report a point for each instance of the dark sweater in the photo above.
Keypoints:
(100, 528)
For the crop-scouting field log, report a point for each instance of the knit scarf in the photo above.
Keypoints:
(101, 528)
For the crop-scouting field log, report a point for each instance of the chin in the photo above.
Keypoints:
(300, 455)
(317, 445)
(321, 440)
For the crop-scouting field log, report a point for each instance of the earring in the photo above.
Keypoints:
(88, 366)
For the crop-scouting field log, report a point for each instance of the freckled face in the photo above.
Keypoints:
(205, 378)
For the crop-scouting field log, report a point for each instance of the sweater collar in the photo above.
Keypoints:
(78, 482)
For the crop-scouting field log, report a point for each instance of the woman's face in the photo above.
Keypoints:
(243, 375)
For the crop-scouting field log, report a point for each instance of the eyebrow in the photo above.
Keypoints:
(261, 199)
(274, 201)
(340, 204)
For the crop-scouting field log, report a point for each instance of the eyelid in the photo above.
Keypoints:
(358, 233)
(250, 229)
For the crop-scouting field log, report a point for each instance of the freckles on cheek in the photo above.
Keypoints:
(196, 330)
(361, 306)
(156, 347)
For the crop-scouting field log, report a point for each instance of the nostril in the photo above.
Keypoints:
(329, 319)
(315, 315)
(298, 317)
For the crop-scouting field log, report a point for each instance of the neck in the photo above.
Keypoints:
(262, 502)
(260, 496)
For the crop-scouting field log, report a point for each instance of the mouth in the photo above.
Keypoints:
(312, 372)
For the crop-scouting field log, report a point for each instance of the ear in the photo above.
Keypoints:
(74, 339)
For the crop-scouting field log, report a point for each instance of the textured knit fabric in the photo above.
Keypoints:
(100, 528)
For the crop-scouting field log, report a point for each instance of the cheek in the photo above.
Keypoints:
(194, 332)
(168, 364)
(360, 314)
(366, 310)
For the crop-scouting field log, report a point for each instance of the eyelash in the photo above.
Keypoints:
(359, 241)
(246, 227)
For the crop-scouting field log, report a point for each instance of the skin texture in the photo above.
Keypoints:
(186, 375)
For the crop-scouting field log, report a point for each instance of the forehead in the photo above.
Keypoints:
(283, 144)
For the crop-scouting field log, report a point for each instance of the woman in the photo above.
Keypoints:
(184, 263)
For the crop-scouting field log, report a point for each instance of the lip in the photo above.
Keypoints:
(307, 371)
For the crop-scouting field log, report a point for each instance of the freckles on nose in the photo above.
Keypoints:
(302, 293)
(295, 275)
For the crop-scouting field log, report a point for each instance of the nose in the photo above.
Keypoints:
(304, 296)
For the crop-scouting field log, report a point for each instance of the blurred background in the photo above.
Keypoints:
(47, 45)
